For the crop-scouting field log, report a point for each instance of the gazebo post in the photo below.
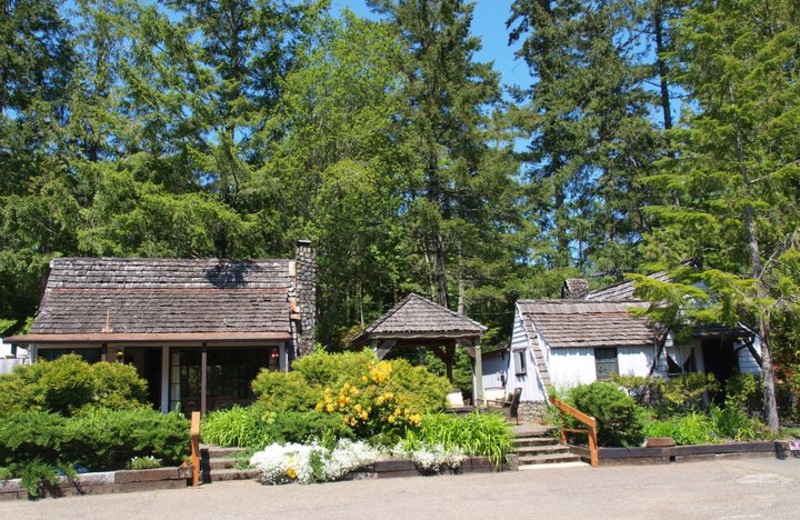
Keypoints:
(478, 385)
(450, 354)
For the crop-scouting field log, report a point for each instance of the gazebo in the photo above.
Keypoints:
(419, 322)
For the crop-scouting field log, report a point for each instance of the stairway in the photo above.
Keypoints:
(537, 447)
(217, 464)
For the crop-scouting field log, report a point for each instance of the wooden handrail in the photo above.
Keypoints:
(589, 421)
(195, 439)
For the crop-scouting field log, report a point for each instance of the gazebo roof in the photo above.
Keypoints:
(415, 317)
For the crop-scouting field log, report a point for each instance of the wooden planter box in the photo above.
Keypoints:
(394, 468)
(104, 482)
(667, 454)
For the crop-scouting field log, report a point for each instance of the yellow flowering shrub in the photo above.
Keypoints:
(372, 404)
(356, 391)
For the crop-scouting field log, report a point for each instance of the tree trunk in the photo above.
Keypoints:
(462, 286)
(767, 371)
(661, 66)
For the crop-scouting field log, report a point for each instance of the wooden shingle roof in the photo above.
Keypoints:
(586, 324)
(623, 291)
(137, 298)
(415, 316)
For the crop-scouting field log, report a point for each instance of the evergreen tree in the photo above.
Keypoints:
(587, 114)
(458, 202)
(735, 178)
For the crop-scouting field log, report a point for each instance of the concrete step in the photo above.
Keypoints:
(556, 465)
(548, 459)
(233, 474)
(221, 463)
(533, 430)
(521, 442)
(215, 452)
(530, 451)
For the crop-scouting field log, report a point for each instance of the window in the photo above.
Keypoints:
(675, 368)
(90, 355)
(606, 362)
(521, 366)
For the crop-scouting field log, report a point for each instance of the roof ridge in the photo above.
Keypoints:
(435, 307)
(162, 259)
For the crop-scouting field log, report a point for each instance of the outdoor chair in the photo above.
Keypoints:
(509, 406)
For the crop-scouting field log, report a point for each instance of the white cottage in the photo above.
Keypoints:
(591, 335)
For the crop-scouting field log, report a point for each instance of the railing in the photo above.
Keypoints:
(591, 422)
(195, 436)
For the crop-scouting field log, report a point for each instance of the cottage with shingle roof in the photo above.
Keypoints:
(198, 330)
(590, 335)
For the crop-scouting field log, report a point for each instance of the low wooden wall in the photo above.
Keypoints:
(666, 455)
(104, 482)
(405, 468)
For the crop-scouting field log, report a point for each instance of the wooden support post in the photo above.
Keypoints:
(450, 353)
(104, 352)
(165, 380)
(589, 421)
(204, 379)
(593, 445)
(195, 440)
(479, 397)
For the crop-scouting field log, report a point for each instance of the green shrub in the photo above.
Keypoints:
(98, 439)
(117, 386)
(744, 392)
(487, 435)
(323, 370)
(732, 422)
(303, 427)
(692, 428)
(37, 474)
(280, 391)
(144, 463)
(109, 438)
(68, 384)
(667, 396)
(422, 390)
(349, 394)
(620, 421)
(239, 426)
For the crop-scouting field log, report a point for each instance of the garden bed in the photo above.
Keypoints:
(104, 482)
(669, 454)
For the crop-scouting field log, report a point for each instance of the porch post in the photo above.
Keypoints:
(203, 379)
(479, 398)
(282, 361)
(104, 352)
(165, 379)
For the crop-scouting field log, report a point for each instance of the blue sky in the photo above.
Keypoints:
(489, 22)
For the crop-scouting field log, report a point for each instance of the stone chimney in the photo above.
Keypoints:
(305, 292)
(575, 289)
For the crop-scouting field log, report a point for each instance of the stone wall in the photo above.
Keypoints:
(306, 294)
(533, 411)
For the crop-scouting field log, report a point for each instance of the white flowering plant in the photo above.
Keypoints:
(308, 463)
(430, 458)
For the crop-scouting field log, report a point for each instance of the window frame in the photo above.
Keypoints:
(605, 376)
(521, 363)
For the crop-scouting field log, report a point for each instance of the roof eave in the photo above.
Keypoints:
(171, 337)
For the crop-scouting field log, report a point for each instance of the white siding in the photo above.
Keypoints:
(532, 388)
(571, 366)
(747, 363)
(495, 366)
(635, 361)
